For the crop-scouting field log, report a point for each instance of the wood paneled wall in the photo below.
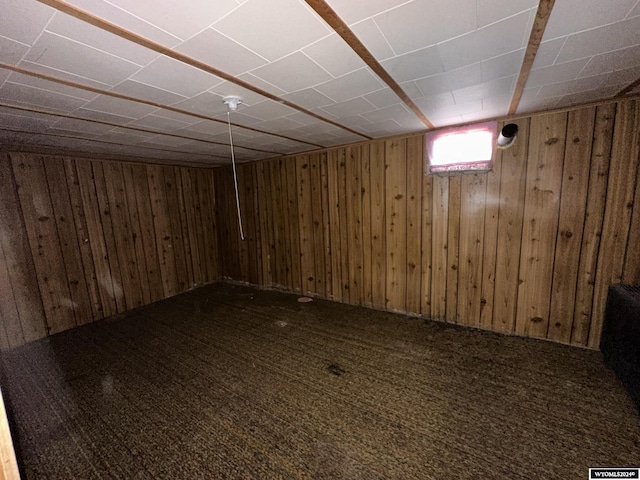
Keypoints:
(82, 240)
(528, 249)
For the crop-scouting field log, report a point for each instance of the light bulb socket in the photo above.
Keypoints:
(232, 101)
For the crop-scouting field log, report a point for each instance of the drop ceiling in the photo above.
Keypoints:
(145, 79)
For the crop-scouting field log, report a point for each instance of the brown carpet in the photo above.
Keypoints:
(231, 382)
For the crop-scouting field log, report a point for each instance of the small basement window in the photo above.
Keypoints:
(462, 149)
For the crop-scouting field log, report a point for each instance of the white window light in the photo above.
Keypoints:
(462, 149)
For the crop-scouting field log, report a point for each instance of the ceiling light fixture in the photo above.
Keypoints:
(232, 102)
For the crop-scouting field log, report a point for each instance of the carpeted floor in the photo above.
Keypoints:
(231, 382)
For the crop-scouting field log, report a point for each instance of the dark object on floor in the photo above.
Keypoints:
(620, 341)
(195, 389)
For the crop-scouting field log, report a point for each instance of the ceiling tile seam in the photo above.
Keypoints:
(14, 82)
(626, 17)
(589, 29)
(325, 12)
(96, 140)
(543, 13)
(129, 79)
(133, 15)
(127, 126)
(98, 22)
(17, 41)
(77, 42)
(62, 72)
(139, 100)
(211, 27)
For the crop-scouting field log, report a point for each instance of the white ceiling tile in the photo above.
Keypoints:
(63, 54)
(383, 98)
(51, 86)
(14, 93)
(434, 102)
(304, 119)
(587, 96)
(154, 122)
(120, 107)
(147, 92)
(127, 137)
(556, 73)
(502, 66)
(308, 98)
(548, 52)
(215, 49)
(356, 106)
(294, 72)
(497, 103)
(82, 32)
(267, 110)
(414, 65)
(241, 118)
(117, 16)
(11, 51)
(165, 141)
(573, 86)
(351, 85)
(23, 20)
(447, 121)
(207, 128)
(282, 125)
(635, 11)
(20, 122)
(207, 103)
(479, 91)
(248, 97)
(453, 80)
(600, 40)
(173, 76)
(290, 26)
(181, 117)
(35, 67)
(571, 16)
(491, 11)
(334, 55)
(455, 110)
(354, 121)
(488, 42)
(102, 116)
(370, 35)
(352, 11)
(611, 61)
(398, 113)
(261, 84)
(422, 23)
(411, 89)
(182, 19)
(626, 76)
(73, 125)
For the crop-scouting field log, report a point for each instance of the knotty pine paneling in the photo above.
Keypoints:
(528, 249)
(82, 240)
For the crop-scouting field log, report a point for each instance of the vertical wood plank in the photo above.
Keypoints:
(183, 236)
(343, 218)
(283, 219)
(44, 242)
(510, 219)
(294, 226)
(366, 200)
(377, 151)
(617, 215)
(353, 170)
(11, 334)
(490, 240)
(206, 186)
(106, 224)
(439, 247)
(542, 199)
(453, 247)
(265, 252)
(175, 226)
(315, 163)
(396, 223)
(415, 166)
(326, 226)
(147, 239)
(249, 218)
(305, 219)
(594, 214)
(123, 237)
(471, 241)
(427, 244)
(570, 223)
(162, 228)
(69, 241)
(631, 265)
(91, 208)
(21, 289)
(334, 218)
(80, 222)
(134, 212)
(192, 219)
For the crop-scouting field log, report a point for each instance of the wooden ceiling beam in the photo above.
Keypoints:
(102, 24)
(537, 31)
(629, 88)
(341, 28)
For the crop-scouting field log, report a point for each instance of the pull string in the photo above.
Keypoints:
(235, 176)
